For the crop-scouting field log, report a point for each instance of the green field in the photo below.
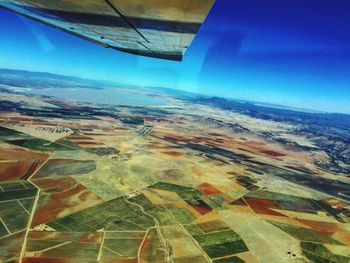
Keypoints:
(16, 202)
(229, 260)
(63, 167)
(194, 230)
(13, 215)
(211, 226)
(113, 215)
(74, 251)
(190, 195)
(219, 243)
(305, 234)
(39, 144)
(319, 253)
(225, 249)
(125, 247)
(17, 194)
(181, 214)
(3, 231)
(6, 134)
(160, 213)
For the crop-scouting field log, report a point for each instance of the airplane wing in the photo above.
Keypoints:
(154, 28)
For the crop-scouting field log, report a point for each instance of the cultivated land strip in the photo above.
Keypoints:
(28, 226)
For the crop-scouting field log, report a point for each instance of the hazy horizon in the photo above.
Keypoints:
(259, 103)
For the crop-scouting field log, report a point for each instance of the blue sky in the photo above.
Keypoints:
(291, 52)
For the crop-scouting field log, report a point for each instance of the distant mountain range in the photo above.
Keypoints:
(29, 79)
(38, 80)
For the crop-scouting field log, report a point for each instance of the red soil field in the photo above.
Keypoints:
(335, 202)
(61, 196)
(262, 206)
(202, 210)
(22, 163)
(17, 170)
(323, 227)
(208, 189)
(273, 153)
(20, 154)
(145, 243)
(173, 153)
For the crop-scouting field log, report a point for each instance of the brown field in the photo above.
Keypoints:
(173, 153)
(18, 163)
(208, 189)
(262, 206)
(60, 197)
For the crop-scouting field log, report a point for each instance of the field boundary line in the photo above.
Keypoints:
(24, 244)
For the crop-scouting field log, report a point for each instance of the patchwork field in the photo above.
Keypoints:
(185, 182)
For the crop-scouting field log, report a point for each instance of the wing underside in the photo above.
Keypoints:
(154, 28)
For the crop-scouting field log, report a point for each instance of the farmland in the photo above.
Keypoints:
(188, 181)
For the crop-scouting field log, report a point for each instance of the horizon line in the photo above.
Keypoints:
(263, 103)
